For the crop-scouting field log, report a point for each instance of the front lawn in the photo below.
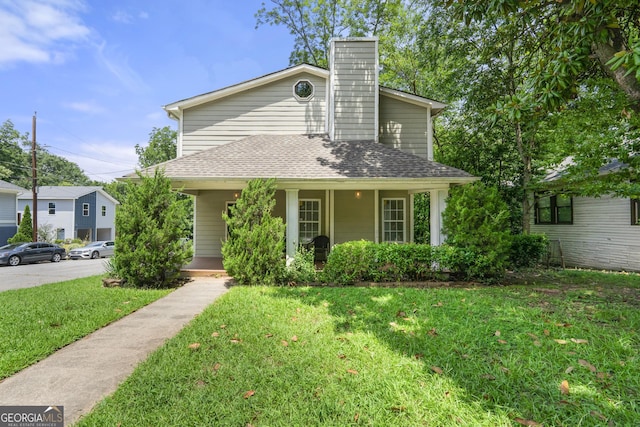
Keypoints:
(561, 350)
(35, 322)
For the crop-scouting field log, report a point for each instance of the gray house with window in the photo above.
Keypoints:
(347, 154)
(8, 208)
(602, 232)
(86, 213)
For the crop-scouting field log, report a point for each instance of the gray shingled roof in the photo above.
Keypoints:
(66, 192)
(304, 157)
(9, 186)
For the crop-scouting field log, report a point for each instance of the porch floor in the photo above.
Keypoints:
(202, 266)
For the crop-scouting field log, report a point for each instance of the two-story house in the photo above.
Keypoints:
(348, 155)
(8, 208)
(86, 213)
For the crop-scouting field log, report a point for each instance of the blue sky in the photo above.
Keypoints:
(98, 72)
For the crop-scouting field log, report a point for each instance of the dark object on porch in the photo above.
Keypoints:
(320, 246)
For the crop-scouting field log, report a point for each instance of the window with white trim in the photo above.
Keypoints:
(104, 210)
(308, 219)
(52, 208)
(303, 90)
(85, 209)
(635, 211)
(393, 220)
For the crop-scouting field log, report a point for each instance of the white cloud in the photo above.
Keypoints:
(84, 107)
(118, 65)
(122, 17)
(40, 31)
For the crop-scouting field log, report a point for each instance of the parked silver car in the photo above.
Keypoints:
(93, 250)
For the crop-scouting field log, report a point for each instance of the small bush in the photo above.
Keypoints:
(348, 263)
(302, 269)
(527, 249)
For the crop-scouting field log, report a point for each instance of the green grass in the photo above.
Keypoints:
(35, 322)
(481, 356)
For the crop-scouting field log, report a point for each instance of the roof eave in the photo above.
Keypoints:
(195, 184)
(174, 108)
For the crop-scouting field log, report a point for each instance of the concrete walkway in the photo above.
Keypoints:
(83, 373)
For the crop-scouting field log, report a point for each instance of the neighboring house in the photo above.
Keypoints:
(8, 208)
(86, 213)
(601, 232)
(348, 155)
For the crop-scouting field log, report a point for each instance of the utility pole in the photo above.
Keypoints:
(34, 175)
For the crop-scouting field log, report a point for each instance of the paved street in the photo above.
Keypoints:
(29, 275)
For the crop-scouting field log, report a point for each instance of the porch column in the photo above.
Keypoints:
(332, 216)
(292, 223)
(412, 198)
(437, 203)
(376, 216)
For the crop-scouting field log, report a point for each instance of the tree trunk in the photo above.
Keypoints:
(525, 156)
(628, 83)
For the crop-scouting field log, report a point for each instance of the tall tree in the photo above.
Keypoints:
(574, 39)
(162, 146)
(15, 166)
(313, 23)
(564, 47)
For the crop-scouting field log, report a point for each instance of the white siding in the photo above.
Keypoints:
(601, 235)
(403, 126)
(354, 80)
(269, 109)
(108, 221)
(63, 217)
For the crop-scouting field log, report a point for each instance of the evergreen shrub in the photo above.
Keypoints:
(254, 251)
(476, 222)
(25, 230)
(149, 244)
(527, 250)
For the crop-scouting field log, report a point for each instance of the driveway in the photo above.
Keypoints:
(29, 275)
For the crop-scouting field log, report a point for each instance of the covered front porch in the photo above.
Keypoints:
(347, 214)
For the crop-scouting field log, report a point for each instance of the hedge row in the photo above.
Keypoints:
(364, 261)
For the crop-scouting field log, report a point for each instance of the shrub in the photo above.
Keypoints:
(254, 251)
(302, 268)
(150, 224)
(527, 249)
(25, 230)
(348, 263)
(358, 261)
(476, 220)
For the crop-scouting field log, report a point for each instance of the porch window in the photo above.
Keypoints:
(635, 211)
(393, 219)
(556, 209)
(52, 208)
(308, 219)
(85, 209)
